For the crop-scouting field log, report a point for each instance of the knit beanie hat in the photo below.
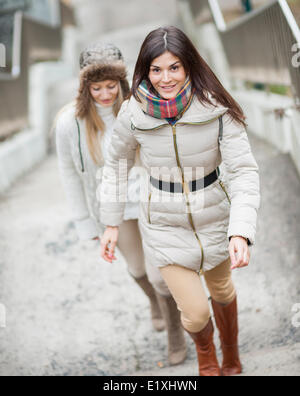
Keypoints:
(99, 62)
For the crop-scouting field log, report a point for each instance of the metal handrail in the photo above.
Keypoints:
(259, 44)
(16, 49)
(221, 25)
(2, 55)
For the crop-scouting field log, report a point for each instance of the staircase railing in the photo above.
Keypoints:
(262, 45)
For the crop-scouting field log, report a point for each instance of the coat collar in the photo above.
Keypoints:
(196, 113)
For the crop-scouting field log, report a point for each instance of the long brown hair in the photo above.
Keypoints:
(203, 79)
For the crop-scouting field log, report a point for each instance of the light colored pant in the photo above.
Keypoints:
(130, 245)
(187, 289)
(131, 248)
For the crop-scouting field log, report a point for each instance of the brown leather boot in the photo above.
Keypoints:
(206, 351)
(177, 349)
(226, 317)
(156, 315)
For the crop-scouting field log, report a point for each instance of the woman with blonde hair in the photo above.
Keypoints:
(200, 216)
(83, 136)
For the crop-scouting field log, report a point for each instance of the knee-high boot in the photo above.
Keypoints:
(156, 315)
(206, 351)
(226, 317)
(177, 349)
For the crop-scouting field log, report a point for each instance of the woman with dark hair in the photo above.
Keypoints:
(200, 216)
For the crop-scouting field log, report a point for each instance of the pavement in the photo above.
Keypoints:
(70, 313)
(64, 311)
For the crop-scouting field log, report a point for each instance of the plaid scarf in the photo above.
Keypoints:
(161, 108)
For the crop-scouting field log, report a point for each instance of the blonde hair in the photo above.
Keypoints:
(94, 123)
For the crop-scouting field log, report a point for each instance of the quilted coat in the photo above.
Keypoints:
(80, 176)
(190, 229)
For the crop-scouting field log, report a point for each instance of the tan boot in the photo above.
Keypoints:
(206, 351)
(177, 349)
(227, 322)
(156, 315)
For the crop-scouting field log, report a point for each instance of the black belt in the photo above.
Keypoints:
(194, 185)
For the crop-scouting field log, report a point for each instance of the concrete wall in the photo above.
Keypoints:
(283, 133)
(24, 150)
(27, 148)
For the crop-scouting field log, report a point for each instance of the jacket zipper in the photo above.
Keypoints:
(133, 127)
(186, 192)
(79, 146)
(198, 123)
(225, 191)
(149, 201)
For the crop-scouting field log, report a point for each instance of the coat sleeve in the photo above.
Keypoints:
(73, 186)
(243, 178)
(120, 159)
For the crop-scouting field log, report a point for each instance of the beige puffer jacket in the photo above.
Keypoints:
(187, 151)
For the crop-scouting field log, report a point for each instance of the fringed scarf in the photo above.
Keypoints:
(162, 108)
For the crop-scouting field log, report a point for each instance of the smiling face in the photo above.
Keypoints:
(105, 92)
(167, 75)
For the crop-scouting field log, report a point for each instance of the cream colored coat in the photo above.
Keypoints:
(173, 234)
(80, 175)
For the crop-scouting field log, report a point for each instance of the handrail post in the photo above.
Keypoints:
(2, 55)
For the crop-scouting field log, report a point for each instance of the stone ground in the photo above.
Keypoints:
(64, 311)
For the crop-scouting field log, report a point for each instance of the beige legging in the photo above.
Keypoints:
(131, 248)
(130, 245)
(187, 289)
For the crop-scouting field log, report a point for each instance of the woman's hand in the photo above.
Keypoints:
(108, 243)
(239, 252)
